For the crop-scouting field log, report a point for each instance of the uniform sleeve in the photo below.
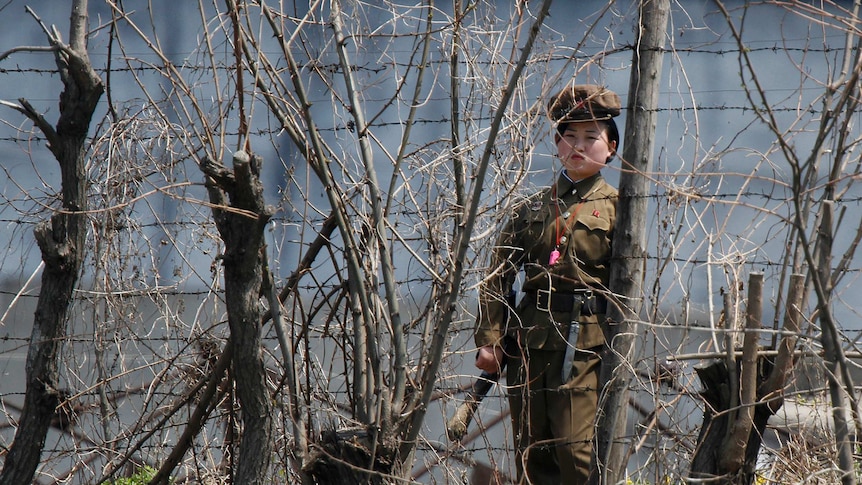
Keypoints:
(493, 306)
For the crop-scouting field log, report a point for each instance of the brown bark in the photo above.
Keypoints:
(736, 410)
(61, 241)
(742, 418)
(241, 215)
(708, 463)
(610, 453)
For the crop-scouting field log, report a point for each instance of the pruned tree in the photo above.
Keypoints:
(241, 216)
(744, 390)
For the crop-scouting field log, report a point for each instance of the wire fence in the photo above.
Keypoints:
(148, 321)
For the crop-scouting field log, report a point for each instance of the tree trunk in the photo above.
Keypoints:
(241, 222)
(708, 461)
(736, 410)
(629, 240)
(61, 242)
(832, 353)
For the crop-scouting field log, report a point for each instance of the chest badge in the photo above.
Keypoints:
(596, 213)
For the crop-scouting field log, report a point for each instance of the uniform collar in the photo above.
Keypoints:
(565, 185)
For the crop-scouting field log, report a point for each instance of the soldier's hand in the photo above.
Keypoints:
(490, 358)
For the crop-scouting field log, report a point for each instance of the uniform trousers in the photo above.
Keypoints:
(553, 422)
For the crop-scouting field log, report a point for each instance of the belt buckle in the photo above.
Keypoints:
(547, 297)
(587, 295)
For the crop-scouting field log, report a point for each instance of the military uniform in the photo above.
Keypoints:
(561, 239)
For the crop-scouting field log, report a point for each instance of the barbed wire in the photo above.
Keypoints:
(445, 121)
(377, 68)
(442, 121)
(318, 220)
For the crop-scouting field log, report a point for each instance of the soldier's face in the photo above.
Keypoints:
(584, 148)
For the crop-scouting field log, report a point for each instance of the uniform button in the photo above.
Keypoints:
(563, 240)
(566, 214)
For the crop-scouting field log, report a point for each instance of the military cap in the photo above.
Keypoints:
(584, 102)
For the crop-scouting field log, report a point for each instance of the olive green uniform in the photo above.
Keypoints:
(552, 420)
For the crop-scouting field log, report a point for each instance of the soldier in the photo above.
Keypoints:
(561, 239)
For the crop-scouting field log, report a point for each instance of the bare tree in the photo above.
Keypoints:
(388, 418)
(241, 221)
(812, 250)
(749, 400)
(62, 241)
(390, 386)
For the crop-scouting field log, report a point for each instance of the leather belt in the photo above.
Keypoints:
(552, 301)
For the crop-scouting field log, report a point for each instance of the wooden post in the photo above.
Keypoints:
(733, 448)
(629, 240)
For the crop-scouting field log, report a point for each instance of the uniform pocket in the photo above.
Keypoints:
(590, 241)
(593, 223)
